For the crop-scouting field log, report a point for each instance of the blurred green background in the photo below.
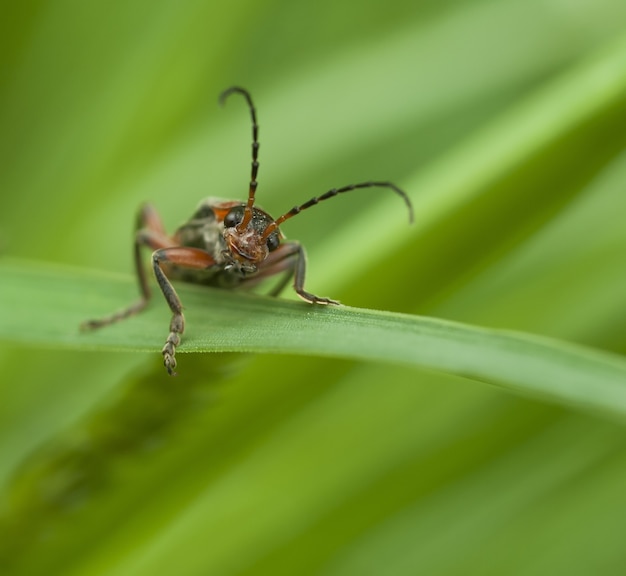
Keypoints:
(504, 120)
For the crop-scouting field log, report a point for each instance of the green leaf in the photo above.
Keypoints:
(44, 305)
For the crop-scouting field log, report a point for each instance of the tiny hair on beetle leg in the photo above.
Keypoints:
(228, 244)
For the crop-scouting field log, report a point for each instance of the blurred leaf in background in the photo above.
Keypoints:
(506, 124)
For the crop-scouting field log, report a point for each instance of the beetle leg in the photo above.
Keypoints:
(280, 260)
(288, 265)
(151, 233)
(298, 280)
(194, 258)
(290, 256)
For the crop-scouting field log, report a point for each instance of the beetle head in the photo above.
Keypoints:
(246, 241)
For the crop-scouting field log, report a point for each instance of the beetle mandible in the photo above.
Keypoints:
(226, 243)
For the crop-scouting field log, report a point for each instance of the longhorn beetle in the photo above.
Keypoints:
(226, 243)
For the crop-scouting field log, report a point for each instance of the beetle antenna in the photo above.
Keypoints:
(330, 194)
(255, 150)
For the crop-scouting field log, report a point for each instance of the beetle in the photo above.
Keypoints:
(226, 243)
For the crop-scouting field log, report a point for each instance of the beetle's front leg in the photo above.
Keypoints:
(183, 257)
(291, 258)
(298, 280)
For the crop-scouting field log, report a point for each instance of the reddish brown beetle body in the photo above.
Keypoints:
(229, 244)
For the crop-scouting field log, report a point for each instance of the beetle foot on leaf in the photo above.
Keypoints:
(313, 299)
(169, 353)
(324, 301)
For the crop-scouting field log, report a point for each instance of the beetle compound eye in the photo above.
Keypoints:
(273, 241)
(234, 217)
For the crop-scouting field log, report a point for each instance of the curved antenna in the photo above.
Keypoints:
(330, 194)
(255, 150)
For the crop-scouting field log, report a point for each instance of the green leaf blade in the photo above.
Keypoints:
(222, 321)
